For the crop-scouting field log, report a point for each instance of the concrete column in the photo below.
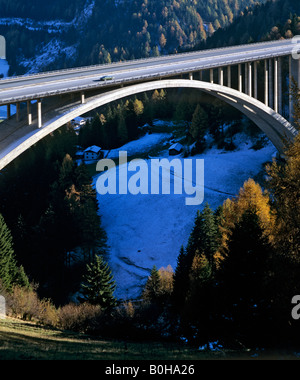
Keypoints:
(240, 78)
(39, 112)
(29, 112)
(246, 78)
(271, 84)
(249, 78)
(18, 111)
(221, 76)
(201, 75)
(294, 76)
(82, 98)
(280, 86)
(191, 76)
(211, 74)
(276, 85)
(266, 83)
(255, 81)
(229, 76)
(8, 111)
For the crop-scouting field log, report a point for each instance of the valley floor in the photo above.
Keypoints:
(148, 230)
(21, 340)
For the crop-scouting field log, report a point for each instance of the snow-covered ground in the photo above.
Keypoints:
(147, 230)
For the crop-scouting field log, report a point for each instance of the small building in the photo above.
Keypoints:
(93, 153)
(175, 149)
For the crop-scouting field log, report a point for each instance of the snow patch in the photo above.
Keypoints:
(148, 230)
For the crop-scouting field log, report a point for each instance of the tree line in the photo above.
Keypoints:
(51, 209)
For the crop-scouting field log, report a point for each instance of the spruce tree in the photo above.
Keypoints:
(98, 284)
(10, 273)
(199, 123)
(153, 286)
(245, 271)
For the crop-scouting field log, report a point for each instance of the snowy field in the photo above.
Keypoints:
(147, 230)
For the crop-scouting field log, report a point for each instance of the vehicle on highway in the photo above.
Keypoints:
(106, 78)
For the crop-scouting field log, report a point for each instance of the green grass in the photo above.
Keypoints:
(21, 340)
(27, 341)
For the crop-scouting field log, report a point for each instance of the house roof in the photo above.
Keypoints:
(176, 146)
(93, 149)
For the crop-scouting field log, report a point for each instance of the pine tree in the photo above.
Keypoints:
(98, 284)
(10, 273)
(152, 288)
(245, 271)
(199, 124)
(203, 241)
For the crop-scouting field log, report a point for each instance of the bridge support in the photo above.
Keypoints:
(8, 114)
(211, 75)
(29, 112)
(39, 112)
(255, 81)
(271, 83)
(229, 76)
(240, 78)
(249, 79)
(82, 97)
(294, 75)
(266, 83)
(221, 76)
(18, 111)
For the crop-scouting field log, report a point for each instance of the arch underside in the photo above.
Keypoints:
(277, 128)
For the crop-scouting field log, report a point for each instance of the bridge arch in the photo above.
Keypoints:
(276, 127)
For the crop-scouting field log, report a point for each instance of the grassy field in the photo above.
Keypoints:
(27, 341)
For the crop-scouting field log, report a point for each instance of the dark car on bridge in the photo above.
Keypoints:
(106, 78)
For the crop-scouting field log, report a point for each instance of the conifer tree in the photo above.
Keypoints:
(98, 284)
(245, 271)
(152, 288)
(10, 273)
(199, 124)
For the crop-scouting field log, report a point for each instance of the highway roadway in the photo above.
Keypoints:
(30, 87)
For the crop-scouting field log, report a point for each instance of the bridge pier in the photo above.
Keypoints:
(255, 81)
(221, 76)
(18, 111)
(39, 113)
(271, 84)
(8, 112)
(249, 78)
(240, 78)
(229, 76)
(211, 75)
(266, 83)
(280, 108)
(82, 97)
(276, 85)
(294, 75)
(29, 112)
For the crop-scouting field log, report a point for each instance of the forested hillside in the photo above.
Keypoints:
(84, 32)
(270, 21)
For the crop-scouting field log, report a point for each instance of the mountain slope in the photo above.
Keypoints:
(270, 21)
(83, 32)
